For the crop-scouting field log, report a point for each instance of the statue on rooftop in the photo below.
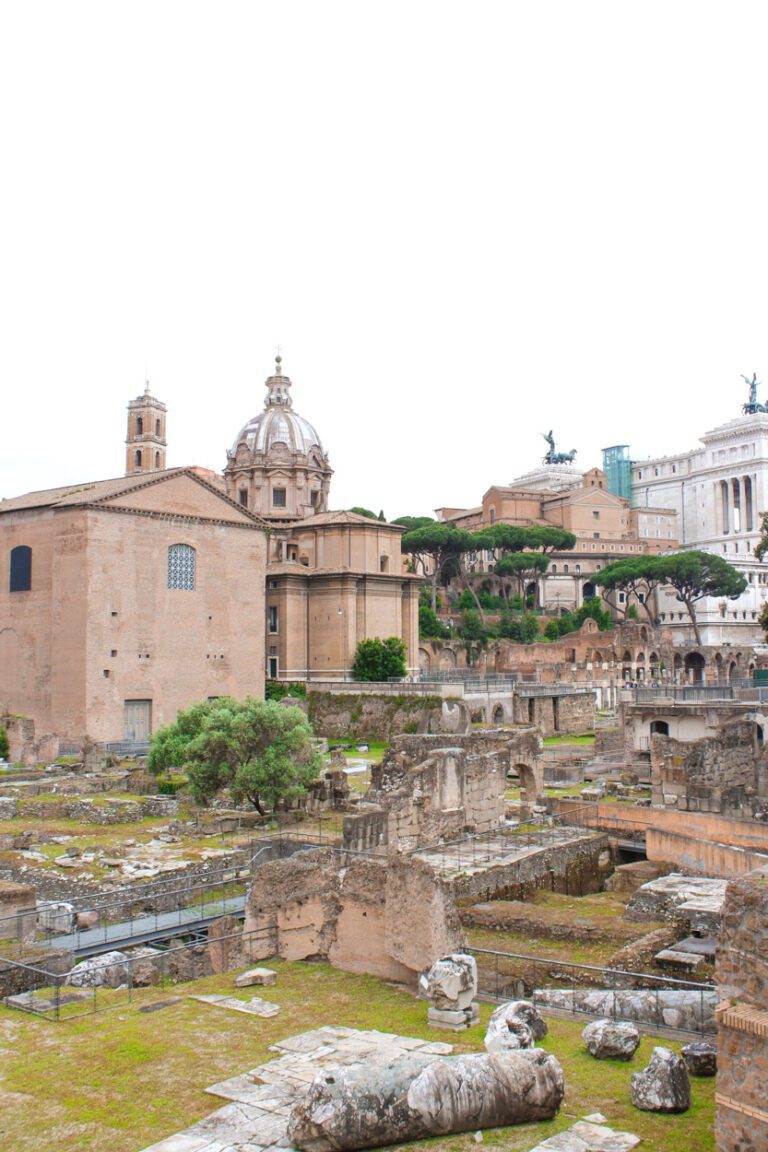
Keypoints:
(752, 405)
(554, 457)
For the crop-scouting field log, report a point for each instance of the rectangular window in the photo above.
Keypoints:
(278, 498)
(272, 670)
(242, 496)
(314, 497)
(272, 617)
(596, 514)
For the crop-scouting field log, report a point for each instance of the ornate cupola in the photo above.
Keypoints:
(277, 466)
(145, 442)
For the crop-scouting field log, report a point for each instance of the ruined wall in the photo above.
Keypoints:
(725, 773)
(365, 716)
(388, 919)
(579, 867)
(700, 857)
(742, 1038)
(436, 787)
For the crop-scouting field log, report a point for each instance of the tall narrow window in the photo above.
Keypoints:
(181, 567)
(242, 496)
(139, 425)
(138, 457)
(21, 569)
(272, 615)
(157, 429)
(157, 459)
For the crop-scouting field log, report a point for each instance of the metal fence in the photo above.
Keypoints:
(594, 992)
(690, 694)
(138, 978)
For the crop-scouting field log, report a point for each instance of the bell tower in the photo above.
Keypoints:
(145, 439)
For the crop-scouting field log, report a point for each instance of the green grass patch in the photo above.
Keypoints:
(122, 1079)
(580, 738)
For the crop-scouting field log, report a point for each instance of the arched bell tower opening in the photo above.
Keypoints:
(145, 442)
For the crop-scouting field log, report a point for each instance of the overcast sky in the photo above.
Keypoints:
(465, 224)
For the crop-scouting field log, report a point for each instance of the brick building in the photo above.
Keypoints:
(124, 600)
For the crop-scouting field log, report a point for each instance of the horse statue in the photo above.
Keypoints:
(555, 457)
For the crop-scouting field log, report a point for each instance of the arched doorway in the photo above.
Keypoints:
(677, 668)
(653, 665)
(425, 660)
(659, 728)
(626, 665)
(530, 786)
(498, 716)
(640, 665)
(588, 591)
(447, 659)
(733, 669)
(694, 668)
(719, 667)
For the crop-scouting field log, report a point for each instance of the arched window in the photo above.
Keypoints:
(565, 569)
(493, 515)
(157, 429)
(21, 569)
(138, 457)
(554, 569)
(157, 459)
(181, 567)
(139, 425)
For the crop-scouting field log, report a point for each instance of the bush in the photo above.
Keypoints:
(279, 689)
(379, 660)
(523, 629)
(4, 745)
(430, 626)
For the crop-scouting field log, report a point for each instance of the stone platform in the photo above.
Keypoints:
(260, 1100)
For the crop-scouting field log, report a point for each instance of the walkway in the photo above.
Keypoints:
(144, 929)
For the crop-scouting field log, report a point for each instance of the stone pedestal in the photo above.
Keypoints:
(454, 1020)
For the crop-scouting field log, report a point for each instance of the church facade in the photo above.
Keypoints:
(333, 578)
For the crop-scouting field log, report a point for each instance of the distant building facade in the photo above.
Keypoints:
(559, 495)
(719, 492)
(145, 440)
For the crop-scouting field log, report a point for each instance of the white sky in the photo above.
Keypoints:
(463, 223)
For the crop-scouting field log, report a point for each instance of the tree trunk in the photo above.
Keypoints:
(694, 622)
(434, 590)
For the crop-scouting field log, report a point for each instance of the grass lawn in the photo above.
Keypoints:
(123, 1079)
(581, 738)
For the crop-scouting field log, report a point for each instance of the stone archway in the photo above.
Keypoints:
(447, 659)
(719, 667)
(588, 590)
(531, 782)
(626, 665)
(498, 716)
(733, 670)
(694, 668)
(640, 665)
(425, 660)
(653, 665)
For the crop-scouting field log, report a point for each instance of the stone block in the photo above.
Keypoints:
(261, 976)
(454, 1020)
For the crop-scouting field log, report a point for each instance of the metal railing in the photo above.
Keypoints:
(688, 694)
(511, 975)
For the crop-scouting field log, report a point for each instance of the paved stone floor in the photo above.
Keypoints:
(465, 857)
(259, 1101)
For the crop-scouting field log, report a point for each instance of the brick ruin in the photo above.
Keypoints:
(431, 787)
(742, 1016)
(725, 773)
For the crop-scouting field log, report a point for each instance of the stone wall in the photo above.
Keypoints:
(430, 788)
(579, 866)
(387, 918)
(742, 979)
(366, 716)
(725, 773)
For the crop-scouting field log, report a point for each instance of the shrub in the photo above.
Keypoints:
(279, 689)
(380, 660)
(4, 745)
(430, 626)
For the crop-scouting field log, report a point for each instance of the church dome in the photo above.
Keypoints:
(278, 423)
